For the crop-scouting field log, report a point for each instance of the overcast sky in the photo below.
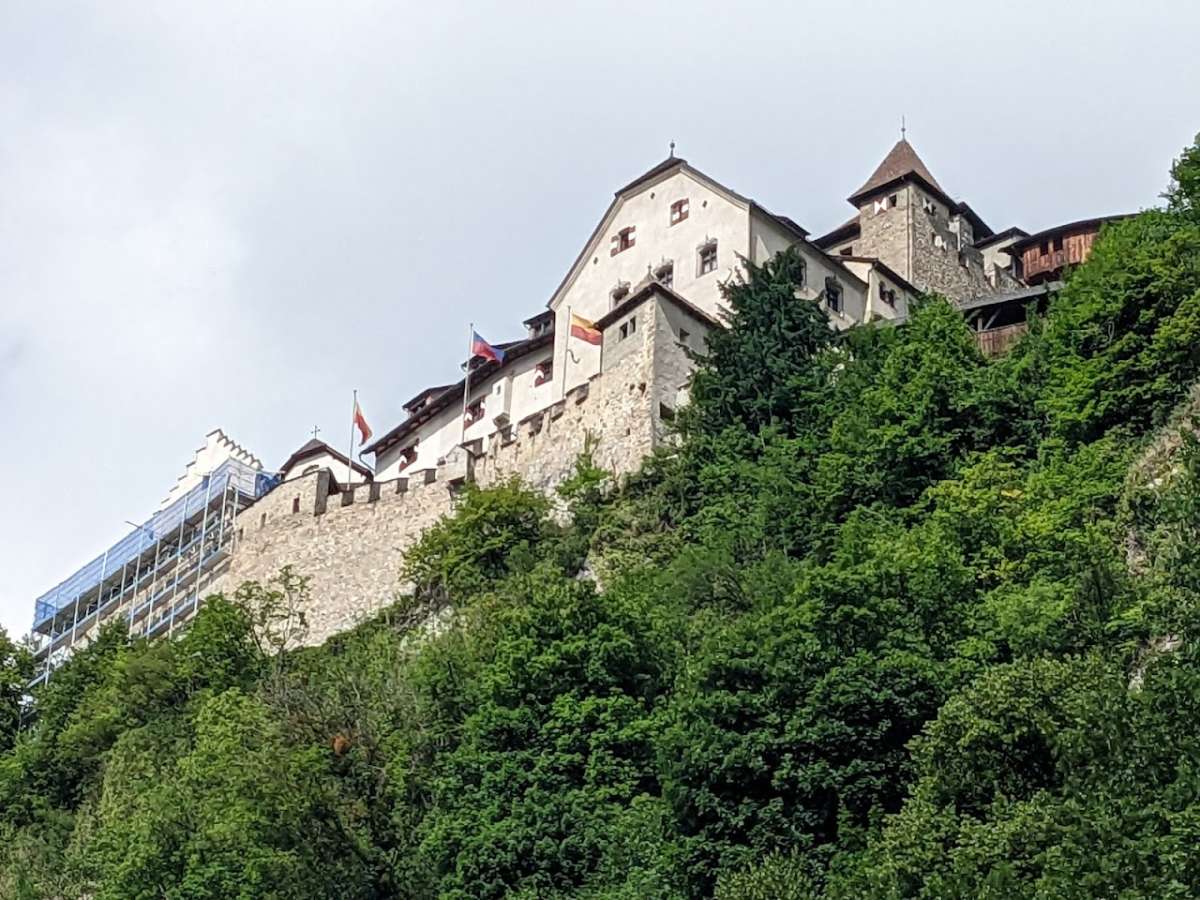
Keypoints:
(232, 214)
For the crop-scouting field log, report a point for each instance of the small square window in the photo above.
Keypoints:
(407, 457)
(833, 294)
(474, 412)
(627, 329)
(544, 372)
(623, 240)
(679, 211)
(893, 200)
(708, 258)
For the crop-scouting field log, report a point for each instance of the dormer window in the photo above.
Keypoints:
(707, 258)
(679, 211)
(623, 240)
(544, 372)
(833, 294)
(665, 274)
(474, 412)
(619, 293)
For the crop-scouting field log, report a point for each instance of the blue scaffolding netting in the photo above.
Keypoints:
(248, 481)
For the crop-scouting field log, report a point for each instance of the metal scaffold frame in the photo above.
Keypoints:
(155, 575)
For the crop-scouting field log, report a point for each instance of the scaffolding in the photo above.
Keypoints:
(155, 576)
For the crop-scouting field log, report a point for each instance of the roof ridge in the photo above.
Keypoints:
(900, 161)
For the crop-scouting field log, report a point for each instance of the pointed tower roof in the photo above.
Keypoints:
(901, 162)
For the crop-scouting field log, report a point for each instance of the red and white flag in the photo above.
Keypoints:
(360, 422)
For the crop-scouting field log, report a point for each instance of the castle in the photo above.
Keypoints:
(646, 287)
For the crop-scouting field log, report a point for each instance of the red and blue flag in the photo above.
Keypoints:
(480, 347)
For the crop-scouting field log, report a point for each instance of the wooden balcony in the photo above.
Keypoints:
(997, 341)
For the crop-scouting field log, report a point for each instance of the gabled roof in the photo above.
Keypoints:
(656, 173)
(513, 350)
(648, 288)
(314, 447)
(1013, 232)
(848, 229)
(425, 395)
(901, 162)
(887, 270)
(544, 316)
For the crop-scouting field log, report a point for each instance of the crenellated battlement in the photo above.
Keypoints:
(350, 540)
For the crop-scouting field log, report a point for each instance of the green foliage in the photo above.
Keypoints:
(16, 668)
(891, 620)
(1123, 342)
(491, 533)
(765, 369)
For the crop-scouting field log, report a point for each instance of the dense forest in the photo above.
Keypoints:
(887, 619)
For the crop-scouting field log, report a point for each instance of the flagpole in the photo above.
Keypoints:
(350, 455)
(566, 352)
(467, 380)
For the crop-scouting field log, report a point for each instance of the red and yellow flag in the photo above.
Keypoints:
(584, 330)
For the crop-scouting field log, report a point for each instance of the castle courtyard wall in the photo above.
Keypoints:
(351, 544)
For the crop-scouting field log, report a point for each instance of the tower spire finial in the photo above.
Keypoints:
(672, 156)
(903, 129)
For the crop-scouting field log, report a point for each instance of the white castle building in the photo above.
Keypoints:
(649, 277)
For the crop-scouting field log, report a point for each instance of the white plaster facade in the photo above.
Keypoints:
(217, 448)
(675, 226)
(326, 458)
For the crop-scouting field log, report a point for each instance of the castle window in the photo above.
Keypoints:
(407, 456)
(684, 334)
(474, 412)
(295, 504)
(929, 206)
(833, 294)
(623, 240)
(627, 329)
(887, 295)
(665, 274)
(847, 251)
(544, 372)
(893, 200)
(619, 293)
(1045, 248)
(679, 211)
(708, 258)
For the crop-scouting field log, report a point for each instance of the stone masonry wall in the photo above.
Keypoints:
(885, 234)
(957, 275)
(351, 544)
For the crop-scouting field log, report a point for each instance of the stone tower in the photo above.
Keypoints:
(907, 221)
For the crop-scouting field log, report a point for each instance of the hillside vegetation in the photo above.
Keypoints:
(888, 620)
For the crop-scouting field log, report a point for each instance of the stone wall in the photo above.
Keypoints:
(884, 234)
(937, 263)
(351, 544)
